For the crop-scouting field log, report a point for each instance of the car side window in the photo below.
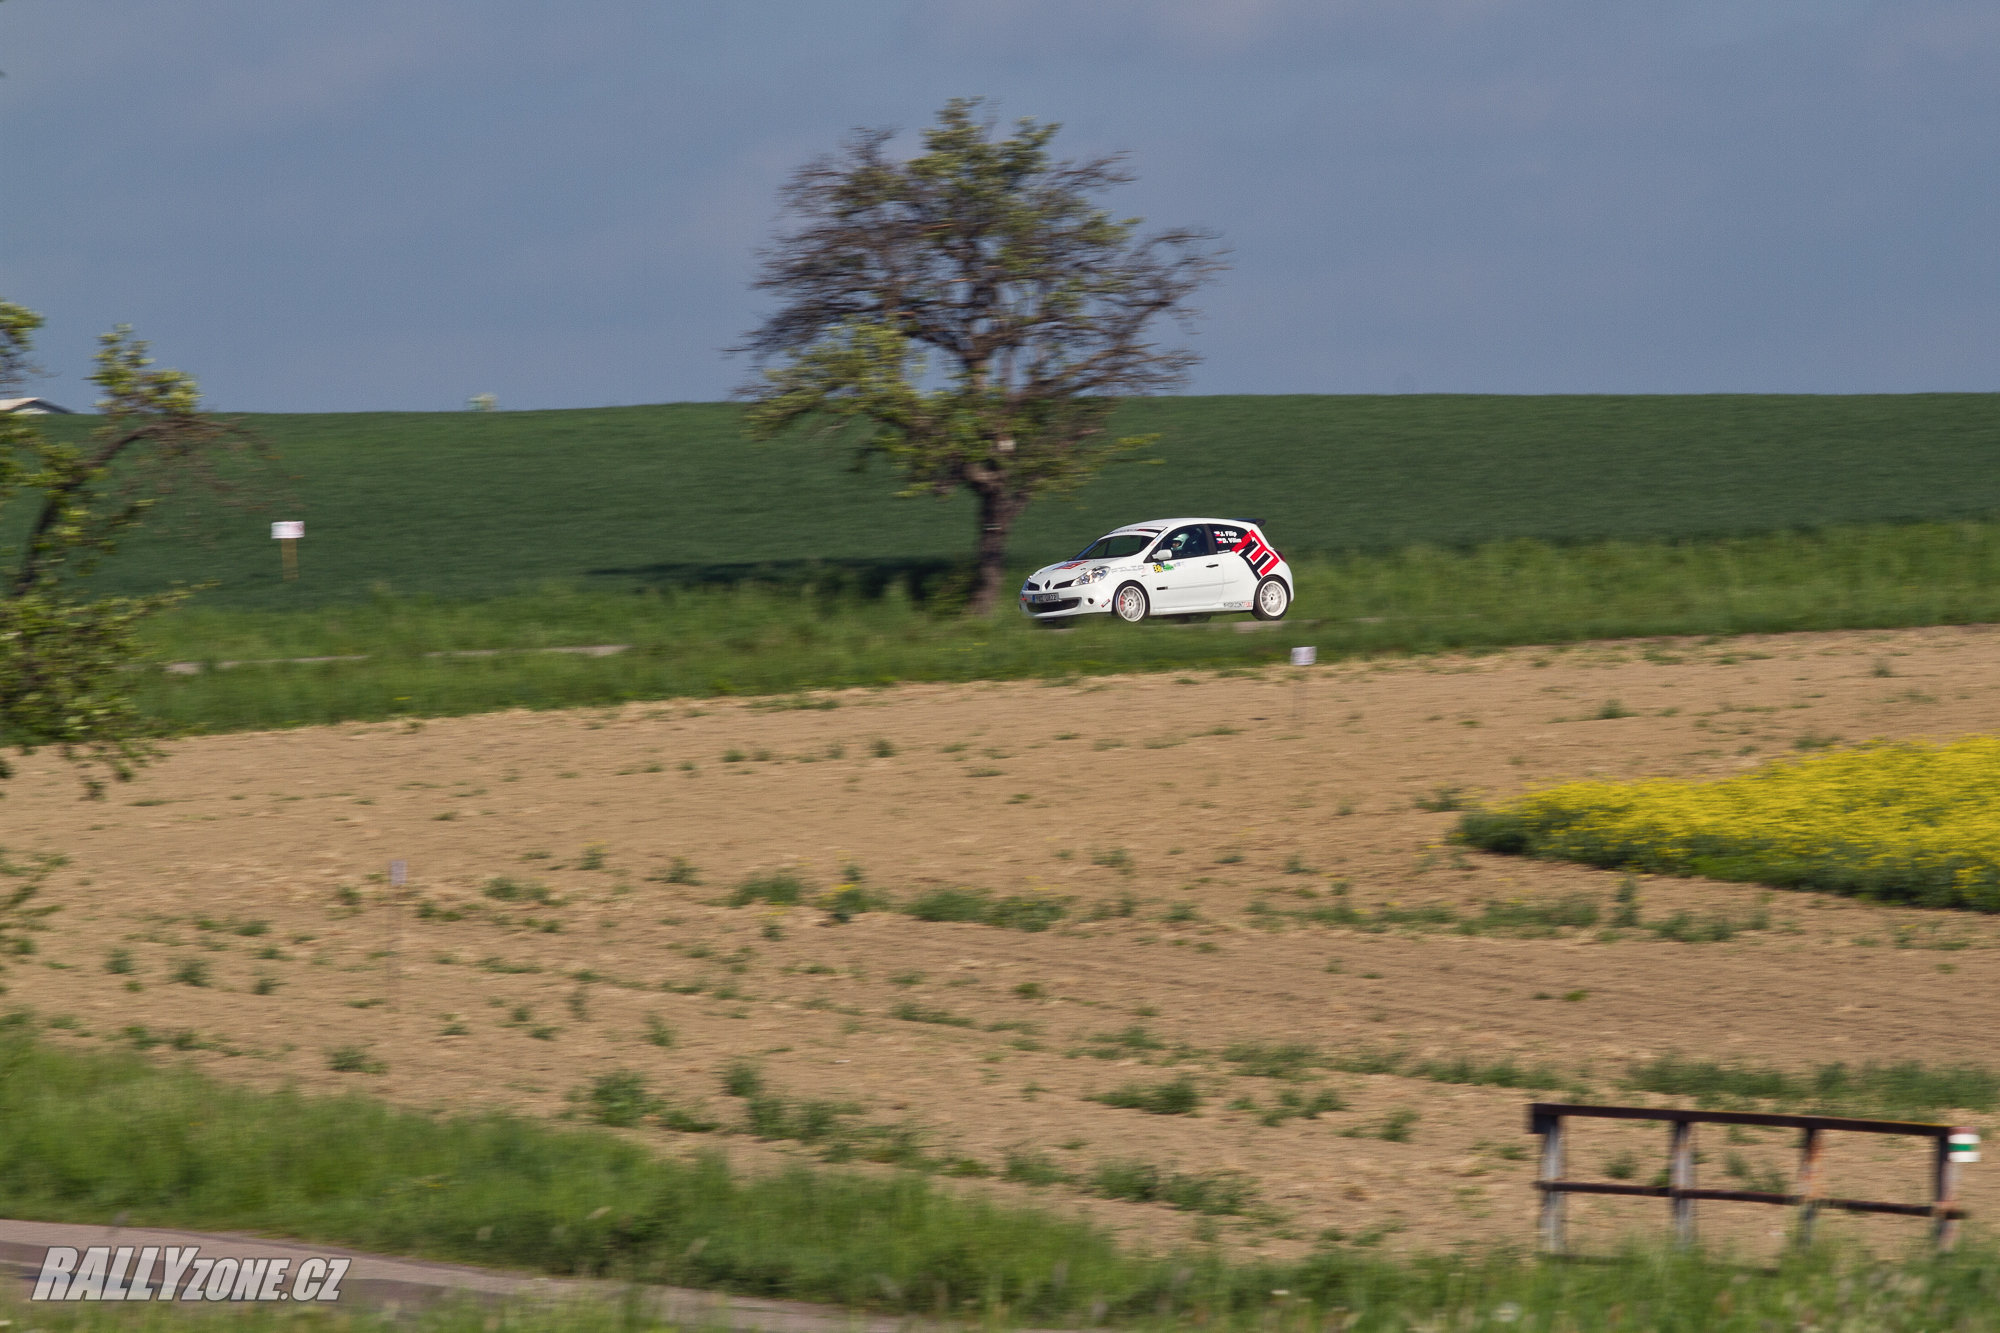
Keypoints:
(1187, 543)
(1226, 536)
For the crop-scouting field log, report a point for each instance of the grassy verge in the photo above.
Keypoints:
(760, 638)
(92, 1136)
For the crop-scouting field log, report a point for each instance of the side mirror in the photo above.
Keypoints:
(1162, 554)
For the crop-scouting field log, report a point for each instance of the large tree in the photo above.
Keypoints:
(971, 314)
(66, 649)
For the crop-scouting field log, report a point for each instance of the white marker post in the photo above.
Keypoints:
(1302, 657)
(288, 534)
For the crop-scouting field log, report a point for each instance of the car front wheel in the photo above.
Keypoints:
(1272, 601)
(1131, 604)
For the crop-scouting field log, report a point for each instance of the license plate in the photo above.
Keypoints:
(1045, 597)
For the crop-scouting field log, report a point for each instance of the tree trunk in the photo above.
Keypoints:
(997, 512)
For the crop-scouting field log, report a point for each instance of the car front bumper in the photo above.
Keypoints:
(1093, 600)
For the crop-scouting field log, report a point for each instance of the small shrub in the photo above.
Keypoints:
(1290, 1105)
(1030, 990)
(740, 1078)
(1025, 1167)
(507, 889)
(1289, 1060)
(1625, 911)
(882, 748)
(190, 972)
(918, 1013)
(1141, 1182)
(686, 1121)
(353, 1060)
(118, 962)
(619, 1099)
(264, 986)
(1442, 800)
(778, 889)
(1178, 1096)
(1396, 1126)
(1027, 912)
(658, 1033)
(1575, 910)
(593, 857)
(679, 871)
(849, 901)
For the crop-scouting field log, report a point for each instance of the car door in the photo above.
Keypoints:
(1237, 579)
(1185, 574)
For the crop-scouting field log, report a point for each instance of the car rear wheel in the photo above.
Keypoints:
(1272, 601)
(1130, 604)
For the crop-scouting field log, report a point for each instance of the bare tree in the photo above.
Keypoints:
(971, 314)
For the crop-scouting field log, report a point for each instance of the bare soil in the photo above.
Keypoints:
(1185, 822)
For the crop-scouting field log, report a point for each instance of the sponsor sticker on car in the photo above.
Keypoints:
(1259, 556)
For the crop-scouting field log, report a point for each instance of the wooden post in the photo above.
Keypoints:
(1944, 1175)
(1551, 1130)
(1810, 1148)
(290, 548)
(1680, 1175)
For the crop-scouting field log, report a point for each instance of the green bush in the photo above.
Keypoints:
(778, 889)
(1027, 912)
(1180, 1096)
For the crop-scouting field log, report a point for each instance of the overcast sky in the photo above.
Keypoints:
(317, 205)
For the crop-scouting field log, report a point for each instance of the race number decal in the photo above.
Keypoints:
(1256, 554)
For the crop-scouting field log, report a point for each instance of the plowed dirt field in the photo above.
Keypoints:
(1203, 834)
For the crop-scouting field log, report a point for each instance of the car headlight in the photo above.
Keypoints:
(1092, 575)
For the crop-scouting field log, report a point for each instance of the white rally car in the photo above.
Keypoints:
(1166, 567)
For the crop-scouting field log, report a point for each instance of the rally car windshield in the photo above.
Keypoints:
(1117, 546)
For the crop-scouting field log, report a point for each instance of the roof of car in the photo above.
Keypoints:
(1156, 524)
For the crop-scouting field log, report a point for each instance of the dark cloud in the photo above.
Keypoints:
(389, 203)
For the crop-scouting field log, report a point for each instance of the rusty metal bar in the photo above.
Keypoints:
(1746, 1196)
(1919, 1128)
(1811, 1147)
(1954, 1146)
(1680, 1177)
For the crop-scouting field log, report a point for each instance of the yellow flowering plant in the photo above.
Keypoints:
(1906, 822)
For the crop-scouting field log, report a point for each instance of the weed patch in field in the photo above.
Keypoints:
(1029, 912)
(1282, 1060)
(1904, 1090)
(921, 1013)
(1180, 1096)
(1212, 1192)
(507, 889)
(779, 889)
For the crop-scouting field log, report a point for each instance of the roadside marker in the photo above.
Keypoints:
(287, 535)
(1302, 657)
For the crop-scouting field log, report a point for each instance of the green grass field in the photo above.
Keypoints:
(476, 505)
(91, 1137)
(762, 639)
